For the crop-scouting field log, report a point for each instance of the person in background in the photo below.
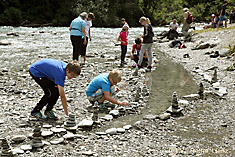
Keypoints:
(188, 19)
(232, 16)
(77, 30)
(222, 16)
(147, 44)
(88, 34)
(123, 39)
(50, 75)
(211, 25)
(136, 48)
(172, 33)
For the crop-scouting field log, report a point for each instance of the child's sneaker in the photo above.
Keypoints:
(102, 105)
(38, 115)
(50, 114)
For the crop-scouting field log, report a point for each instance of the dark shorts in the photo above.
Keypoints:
(83, 52)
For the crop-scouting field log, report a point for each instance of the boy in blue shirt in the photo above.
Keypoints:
(50, 75)
(101, 88)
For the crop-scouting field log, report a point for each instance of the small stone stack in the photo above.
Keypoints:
(201, 91)
(37, 138)
(174, 109)
(175, 100)
(70, 122)
(6, 151)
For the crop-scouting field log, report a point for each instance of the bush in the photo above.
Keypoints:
(11, 16)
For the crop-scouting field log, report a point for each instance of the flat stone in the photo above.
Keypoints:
(37, 144)
(1, 121)
(174, 110)
(221, 91)
(71, 128)
(58, 130)
(85, 123)
(183, 102)
(18, 138)
(127, 127)
(191, 96)
(114, 112)
(57, 141)
(150, 117)
(47, 133)
(17, 151)
(107, 117)
(121, 130)
(111, 131)
(165, 116)
(69, 135)
(88, 153)
(47, 126)
(26, 147)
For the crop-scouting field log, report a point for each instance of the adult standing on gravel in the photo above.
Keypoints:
(232, 16)
(222, 16)
(77, 30)
(188, 19)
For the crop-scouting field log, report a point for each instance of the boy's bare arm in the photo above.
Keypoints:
(63, 99)
(112, 100)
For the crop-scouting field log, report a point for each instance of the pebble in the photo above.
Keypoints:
(121, 130)
(58, 130)
(47, 133)
(85, 123)
(26, 147)
(127, 127)
(17, 151)
(111, 131)
(57, 141)
(165, 116)
(18, 138)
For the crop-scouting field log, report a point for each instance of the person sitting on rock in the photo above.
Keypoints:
(172, 33)
(136, 53)
(102, 88)
(50, 75)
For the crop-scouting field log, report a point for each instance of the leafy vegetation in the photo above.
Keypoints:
(107, 12)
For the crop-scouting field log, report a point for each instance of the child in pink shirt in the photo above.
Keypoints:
(123, 39)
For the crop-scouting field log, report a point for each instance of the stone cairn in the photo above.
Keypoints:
(70, 122)
(175, 101)
(37, 138)
(201, 91)
(6, 151)
(174, 109)
(214, 78)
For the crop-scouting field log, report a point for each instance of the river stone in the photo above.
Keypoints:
(17, 151)
(107, 117)
(57, 141)
(69, 135)
(121, 130)
(100, 133)
(183, 102)
(127, 127)
(26, 147)
(88, 153)
(47, 126)
(111, 131)
(207, 78)
(191, 97)
(58, 130)
(18, 138)
(165, 116)
(150, 117)
(203, 45)
(114, 112)
(221, 91)
(85, 123)
(174, 110)
(224, 52)
(1, 121)
(47, 133)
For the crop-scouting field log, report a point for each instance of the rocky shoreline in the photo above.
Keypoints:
(205, 129)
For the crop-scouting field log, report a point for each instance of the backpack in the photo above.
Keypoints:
(190, 18)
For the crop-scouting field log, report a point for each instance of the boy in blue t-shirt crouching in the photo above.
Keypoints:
(101, 88)
(50, 75)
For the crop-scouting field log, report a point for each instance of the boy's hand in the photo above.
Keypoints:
(123, 103)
